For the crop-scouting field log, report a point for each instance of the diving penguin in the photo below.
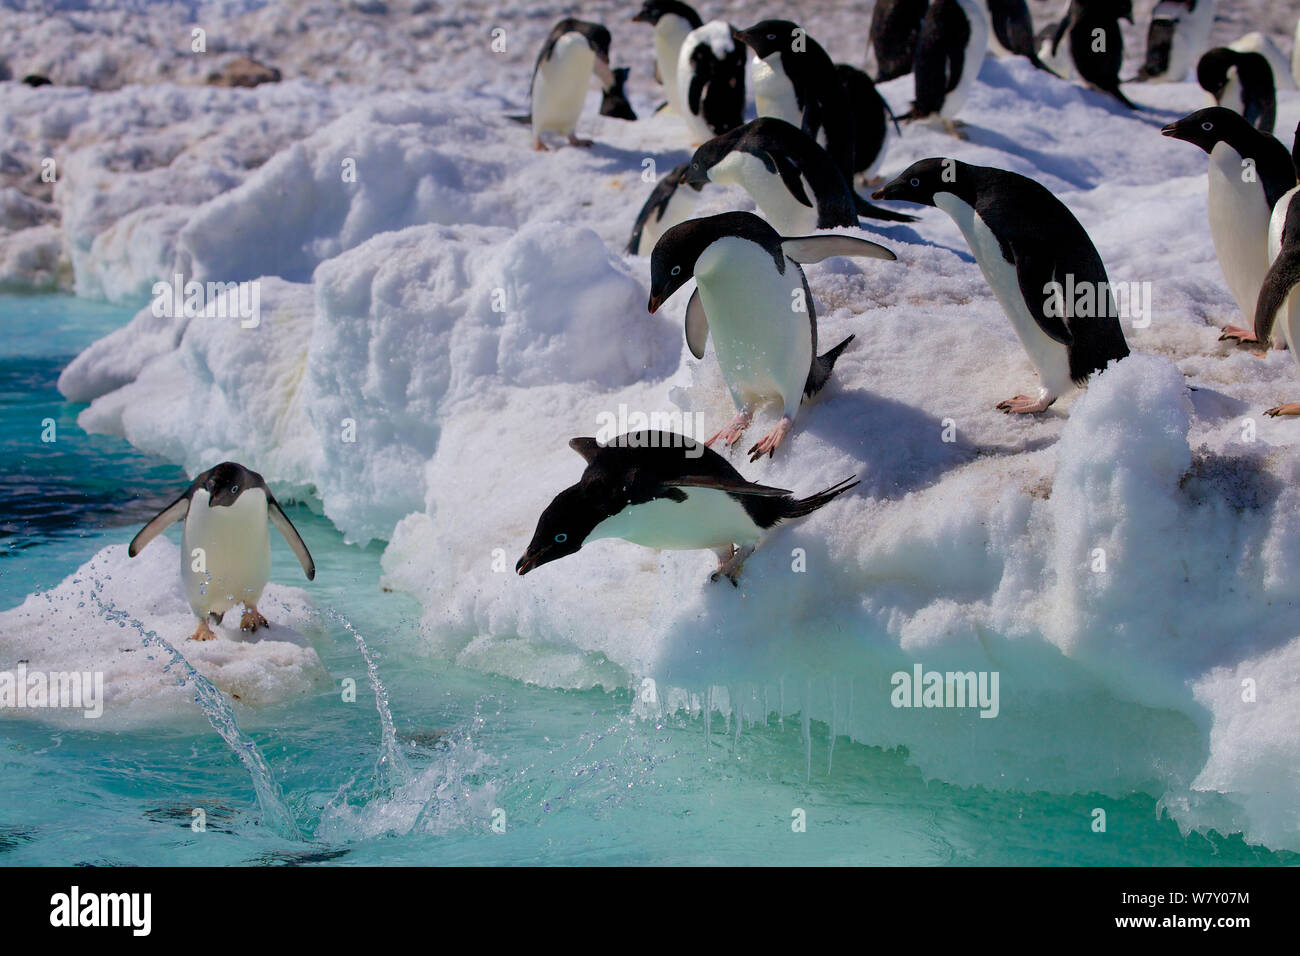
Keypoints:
(663, 490)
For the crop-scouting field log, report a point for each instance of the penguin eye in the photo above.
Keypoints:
(676, 270)
(561, 538)
(1207, 126)
(771, 36)
(916, 184)
(234, 489)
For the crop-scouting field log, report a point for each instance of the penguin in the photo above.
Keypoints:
(895, 29)
(225, 548)
(613, 98)
(1012, 28)
(1240, 205)
(1261, 43)
(711, 80)
(571, 52)
(663, 490)
(796, 185)
(667, 206)
(872, 118)
(1277, 293)
(751, 294)
(1242, 82)
(1031, 249)
(672, 21)
(1177, 38)
(796, 81)
(1091, 35)
(953, 43)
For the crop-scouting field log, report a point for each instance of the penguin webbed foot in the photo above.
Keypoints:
(1288, 409)
(956, 128)
(731, 434)
(1235, 333)
(252, 619)
(768, 444)
(539, 146)
(203, 632)
(1024, 405)
(584, 143)
(730, 561)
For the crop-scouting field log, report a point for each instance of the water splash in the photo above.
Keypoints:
(276, 815)
(391, 769)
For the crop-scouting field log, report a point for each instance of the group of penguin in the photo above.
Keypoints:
(819, 127)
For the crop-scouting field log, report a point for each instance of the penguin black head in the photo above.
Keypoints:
(1212, 70)
(1208, 127)
(653, 10)
(672, 262)
(768, 37)
(696, 174)
(923, 180)
(227, 481)
(561, 529)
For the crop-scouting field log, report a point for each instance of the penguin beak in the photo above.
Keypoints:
(525, 565)
(656, 300)
(884, 191)
(1171, 130)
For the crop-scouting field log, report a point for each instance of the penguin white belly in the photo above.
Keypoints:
(1239, 226)
(976, 49)
(764, 346)
(708, 518)
(774, 93)
(236, 552)
(1050, 357)
(670, 31)
(560, 87)
(787, 214)
(1190, 40)
(1234, 94)
(680, 206)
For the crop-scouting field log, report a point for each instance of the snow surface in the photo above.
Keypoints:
(64, 629)
(465, 306)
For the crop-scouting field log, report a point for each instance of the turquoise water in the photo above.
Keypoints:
(570, 777)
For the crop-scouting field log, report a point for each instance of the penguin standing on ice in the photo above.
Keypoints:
(672, 21)
(751, 294)
(872, 120)
(1241, 82)
(711, 80)
(794, 182)
(1241, 205)
(1012, 28)
(1277, 294)
(1178, 36)
(954, 41)
(895, 29)
(796, 81)
(1090, 33)
(668, 205)
(1031, 250)
(567, 59)
(662, 490)
(225, 548)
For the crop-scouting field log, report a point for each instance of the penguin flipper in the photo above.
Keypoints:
(1036, 275)
(790, 176)
(1281, 278)
(174, 512)
(290, 533)
(735, 486)
(697, 325)
(872, 211)
(805, 249)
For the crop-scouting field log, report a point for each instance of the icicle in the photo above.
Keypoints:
(780, 716)
(708, 717)
(830, 750)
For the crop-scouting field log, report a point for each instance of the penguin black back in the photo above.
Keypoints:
(895, 29)
(1255, 76)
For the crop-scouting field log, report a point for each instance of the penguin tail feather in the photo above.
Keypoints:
(871, 211)
(822, 365)
(798, 507)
